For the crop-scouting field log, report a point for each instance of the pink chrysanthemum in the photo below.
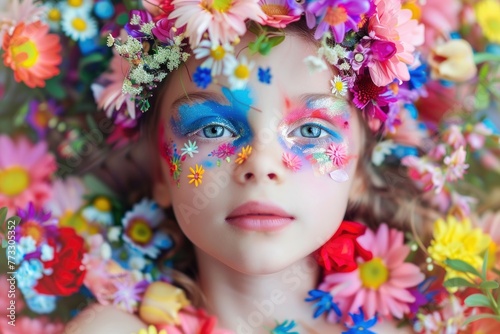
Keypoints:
(280, 13)
(338, 154)
(379, 285)
(393, 26)
(25, 170)
(223, 19)
(291, 161)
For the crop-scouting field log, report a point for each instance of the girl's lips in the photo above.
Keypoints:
(258, 216)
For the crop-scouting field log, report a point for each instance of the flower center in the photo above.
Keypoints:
(218, 53)
(339, 85)
(14, 181)
(274, 9)
(102, 204)
(75, 3)
(42, 115)
(54, 15)
(79, 24)
(76, 221)
(335, 15)
(242, 72)
(25, 54)
(221, 5)
(373, 273)
(196, 176)
(139, 231)
(32, 229)
(367, 90)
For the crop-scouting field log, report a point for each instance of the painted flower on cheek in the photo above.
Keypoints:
(196, 175)
(224, 151)
(291, 161)
(338, 154)
(244, 154)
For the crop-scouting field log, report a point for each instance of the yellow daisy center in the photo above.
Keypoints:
(218, 53)
(139, 231)
(221, 5)
(335, 15)
(79, 24)
(373, 273)
(54, 14)
(339, 85)
(75, 3)
(416, 11)
(32, 229)
(27, 52)
(14, 180)
(102, 204)
(273, 9)
(42, 115)
(242, 72)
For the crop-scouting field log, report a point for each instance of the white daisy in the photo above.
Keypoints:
(140, 229)
(53, 15)
(82, 6)
(218, 55)
(238, 72)
(315, 64)
(339, 86)
(99, 211)
(79, 26)
(381, 150)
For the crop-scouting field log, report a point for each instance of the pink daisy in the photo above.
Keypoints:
(224, 19)
(280, 13)
(380, 284)
(25, 170)
(291, 161)
(338, 154)
(393, 26)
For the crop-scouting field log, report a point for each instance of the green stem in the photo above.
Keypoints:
(492, 301)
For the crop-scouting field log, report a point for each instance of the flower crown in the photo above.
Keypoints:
(370, 43)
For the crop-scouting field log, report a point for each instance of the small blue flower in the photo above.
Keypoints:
(265, 75)
(324, 304)
(284, 328)
(418, 76)
(360, 325)
(41, 304)
(202, 77)
(28, 273)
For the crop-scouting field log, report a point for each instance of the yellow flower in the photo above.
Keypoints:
(151, 330)
(488, 17)
(161, 304)
(455, 239)
(196, 175)
(244, 154)
(453, 61)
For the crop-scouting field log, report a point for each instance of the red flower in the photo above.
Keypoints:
(67, 274)
(340, 252)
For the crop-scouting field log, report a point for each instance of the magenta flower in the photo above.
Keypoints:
(291, 161)
(338, 154)
(224, 151)
(341, 16)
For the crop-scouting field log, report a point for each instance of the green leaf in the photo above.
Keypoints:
(265, 48)
(482, 100)
(461, 266)
(489, 285)
(458, 282)
(485, 265)
(276, 40)
(478, 300)
(55, 89)
(484, 56)
(3, 215)
(483, 72)
(476, 317)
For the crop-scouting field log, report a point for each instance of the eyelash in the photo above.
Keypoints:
(201, 130)
(330, 133)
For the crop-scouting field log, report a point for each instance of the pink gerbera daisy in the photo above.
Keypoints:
(291, 161)
(338, 154)
(380, 284)
(394, 28)
(25, 170)
(224, 19)
(280, 13)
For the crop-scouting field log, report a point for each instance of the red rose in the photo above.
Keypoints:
(340, 252)
(67, 274)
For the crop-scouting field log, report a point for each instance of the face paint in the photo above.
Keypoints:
(291, 161)
(196, 175)
(170, 155)
(224, 151)
(232, 117)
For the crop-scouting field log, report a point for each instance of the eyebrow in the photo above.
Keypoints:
(191, 98)
(304, 98)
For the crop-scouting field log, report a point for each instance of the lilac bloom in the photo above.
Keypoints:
(134, 30)
(341, 16)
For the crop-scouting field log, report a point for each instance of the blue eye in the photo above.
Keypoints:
(215, 131)
(314, 131)
(310, 131)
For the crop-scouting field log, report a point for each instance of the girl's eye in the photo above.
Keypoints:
(215, 131)
(309, 131)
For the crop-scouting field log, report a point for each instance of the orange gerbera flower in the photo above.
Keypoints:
(33, 54)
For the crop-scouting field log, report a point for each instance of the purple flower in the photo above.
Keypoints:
(39, 115)
(165, 30)
(341, 16)
(134, 30)
(383, 50)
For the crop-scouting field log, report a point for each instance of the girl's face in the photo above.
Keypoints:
(260, 177)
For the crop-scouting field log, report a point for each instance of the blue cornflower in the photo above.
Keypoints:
(324, 304)
(360, 325)
(418, 76)
(265, 75)
(284, 328)
(202, 77)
